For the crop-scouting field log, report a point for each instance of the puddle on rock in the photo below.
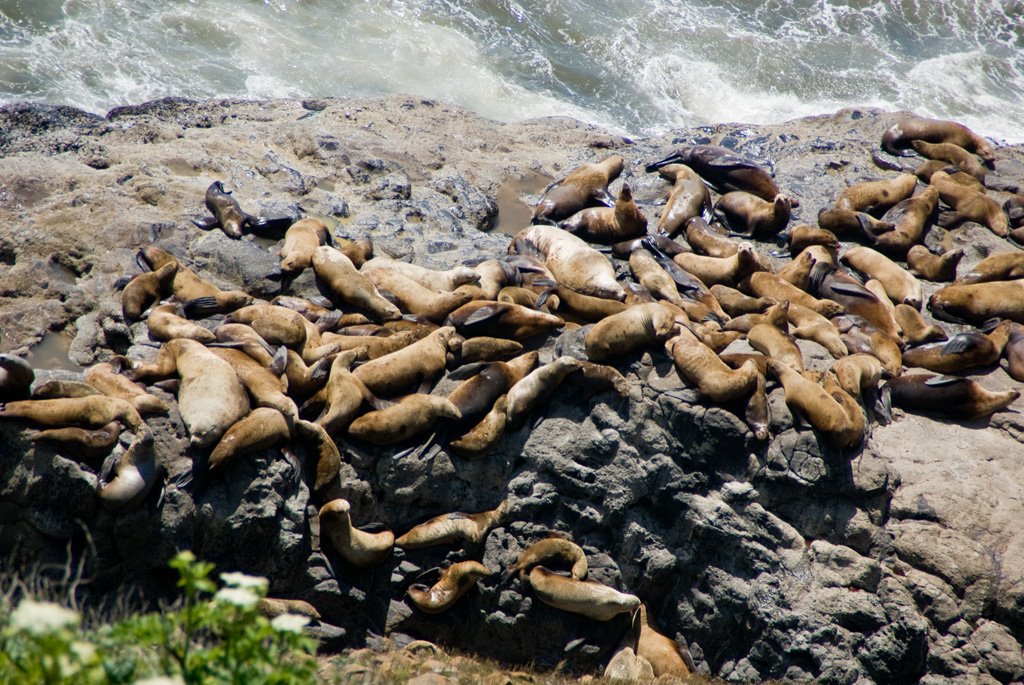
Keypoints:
(513, 214)
(52, 352)
(178, 166)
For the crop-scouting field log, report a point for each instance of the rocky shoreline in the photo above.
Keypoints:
(901, 561)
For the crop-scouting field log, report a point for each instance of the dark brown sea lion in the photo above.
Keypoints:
(584, 186)
(146, 290)
(608, 225)
(909, 218)
(956, 398)
(229, 216)
(900, 135)
(724, 170)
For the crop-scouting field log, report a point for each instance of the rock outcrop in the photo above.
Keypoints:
(899, 561)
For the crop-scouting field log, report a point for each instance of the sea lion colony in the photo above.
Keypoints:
(311, 373)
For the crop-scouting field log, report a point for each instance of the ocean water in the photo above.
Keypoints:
(640, 67)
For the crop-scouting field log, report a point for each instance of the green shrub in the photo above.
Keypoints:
(210, 636)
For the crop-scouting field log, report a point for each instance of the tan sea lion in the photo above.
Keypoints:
(584, 186)
(408, 367)
(900, 135)
(376, 346)
(357, 547)
(199, 297)
(932, 267)
(750, 216)
(707, 241)
(305, 380)
(962, 352)
(485, 433)
(126, 478)
(877, 196)
(536, 387)
(484, 348)
(956, 398)
(653, 277)
(146, 290)
(413, 298)
(666, 656)
(435, 279)
(608, 225)
(909, 219)
(916, 331)
(798, 270)
(764, 284)
(455, 581)
(736, 303)
(277, 325)
(300, 241)
(457, 526)
(572, 262)
(166, 323)
(836, 422)
(501, 320)
(851, 225)
(689, 198)
(525, 297)
(586, 597)
(721, 271)
(492, 275)
(344, 394)
(272, 607)
(978, 302)
(998, 266)
(321, 309)
(93, 411)
(772, 342)
(347, 284)
(899, 284)
(105, 378)
(803, 236)
(411, 416)
(970, 205)
(242, 337)
(723, 169)
(860, 336)
(262, 428)
(53, 389)
(808, 324)
(953, 154)
(586, 307)
(359, 250)
(858, 373)
(698, 365)
(548, 548)
(82, 442)
(776, 315)
(640, 326)
(266, 387)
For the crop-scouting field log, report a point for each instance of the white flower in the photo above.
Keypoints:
(239, 596)
(289, 623)
(245, 581)
(40, 618)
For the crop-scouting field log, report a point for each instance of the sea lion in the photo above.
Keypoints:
(326, 457)
(653, 277)
(932, 267)
(166, 323)
(476, 396)
(900, 135)
(105, 378)
(998, 266)
(548, 548)
(411, 416)
(145, 290)
(484, 348)
(344, 394)
(266, 388)
(300, 241)
(953, 154)
(126, 478)
(639, 327)
(858, 373)
(721, 271)
(851, 225)
(359, 251)
(346, 283)
(970, 205)
(586, 307)
(748, 215)
(899, 284)
(227, 213)
(666, 656)
(736, 303)
(82, 442)
(1014, 352)
(536, 387)
(457, 526)
(16, 377)
(376, 346)
(962, 352)
(525, 297)
(909, 219)
(808, 324)
(413, 298)
(572, 262)
(689, 198)
(949, 396)
(878, 290)
(501, 320)
(661, 242)
(698, 365)
(860, 336)
(586, 597)
(455, 581)
(776, 315)
(408, 367)
(978, 302)
(798, 270)
(608, 225)
(305, 380)
(803, 236)
(485, 433)
(315, 311)
(837, 423)
(584, 186)
(272, 607)
(831, 283)
(492, 275)
(773, 342)
(53, 389)
(916, 331)
(707, 241)
(199, 297)
(446, 280)
(600, 378)
(262, 428)
(724, 170)
(357, 547)
(1014, 208)
(242, 337)
(93, 411)
(767, 285)
(877, 196)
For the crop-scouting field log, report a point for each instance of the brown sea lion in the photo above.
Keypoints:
(408, 367)
(166, 323)
(199, 297)
(698, 365)
(649, 272)
(359, 250)
(53, 389)
(457, 526)
(501, 320)
(916, 331)
(344, 393)
(721, 271)
(750, 216)
(689, 198)
(900, 135)
(834, 284)
(899, 284)
(146, 290)
(764, 284)
(953, 154)
(608, 225)
(242, 337)
(707, 241)
(956, 398)
(536, 387)
(666, 656)
(836, 422)
(584, 186)
(777, 344)
(82, 442)
(998, 266)
(277, 325)
(272, 607)
(455, 581)
(776, 315)
(492, 275)
(105, 378)
(228, 215)
(736, 303)
(550, 547)
(376, 346)
(487, 349)
(932, 267)
(359, 548)
(262, 428)
(476, 396)
(962, 352)
(851, 225)
(724, 170)
(300, 241)
(572, 262)
(347, 284)
(909, 219)
(93, 411)
(858, 373)
(127, 477)
(877, 196)
(798, 270)
(970, 205)
(305, 380)
(411, 416)
(860, 336)
(485, 433)
(640, 326)
(586, 307)
(587, 597)
(808, 324)
(978, 302)
(803, 236)
(326, 456)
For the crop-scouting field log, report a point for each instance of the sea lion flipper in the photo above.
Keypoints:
(958, 344)
(942, 381)
(279, 361)
(671, 159)
(483, 314)
(271, 224)
(853, 290)
(883, 405)
(374, 527)
(109, 466)
(201, 307)
(207, 223)
(467, 371)
(604, 197)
